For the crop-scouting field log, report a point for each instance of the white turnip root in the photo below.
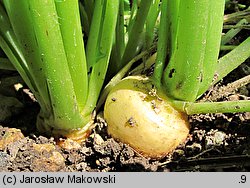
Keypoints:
(141, 116)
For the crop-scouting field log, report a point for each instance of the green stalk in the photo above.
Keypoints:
(119, 43)
(70, 26)
(213, 41)
(236, 27)
(101, 49)
(95, 29)
(172, 14)
(213, 107)
(233, 32)
(182, 76)
(17, 62)
(237, 16)
(20, 17)
(10, 45)
(120, 37)
(227, 47)
(64, 113)
(232, 60)
(136, 32)
(84, 19)
(162, 45)
(133, 12)
(150, 23)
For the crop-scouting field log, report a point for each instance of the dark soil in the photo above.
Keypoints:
(217, 142)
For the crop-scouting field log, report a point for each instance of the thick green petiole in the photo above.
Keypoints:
(64, 107)
(119, 43)
(162, 46)
(233, 32)
(172, 21)
(20, 18)
(101, 48)
(95, 33)
(133, 11)
(120, 34)
(44, 59)
(213, 107)
(237, 16)
(70, 26)
(17, 62)
(227, 47)
(51, 57)
(10, 45)
(213, 40)
(183, 74)
(135, 32)
(232, 60)
(151, 23)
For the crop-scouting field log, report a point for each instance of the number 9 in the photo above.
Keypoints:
(243, 179)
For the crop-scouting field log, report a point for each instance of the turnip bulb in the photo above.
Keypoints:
(140, 115)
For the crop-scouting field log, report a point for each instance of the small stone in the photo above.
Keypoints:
(246, 115)
(98, 163)
(197, 146)
(178, 153)
(81, 166)
(43, 147)
(128, 152)
(233, 97)
(47, 158)
(10, 136)
(14, 148)
(215, 138)
(57, 158)
(194, 148)
(209, 142)
(18, 86)
(85, 150)
(4, 157)
(219, 137)
(98, 139)
(199, 135)
(69, 144)
(53, 163)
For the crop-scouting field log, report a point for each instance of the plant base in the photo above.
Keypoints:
(78, 135)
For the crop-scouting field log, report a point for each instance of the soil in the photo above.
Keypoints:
(217, 142)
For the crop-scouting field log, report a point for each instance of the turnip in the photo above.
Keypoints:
(150, 113)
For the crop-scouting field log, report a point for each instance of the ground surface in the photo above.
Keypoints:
(217, 142)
